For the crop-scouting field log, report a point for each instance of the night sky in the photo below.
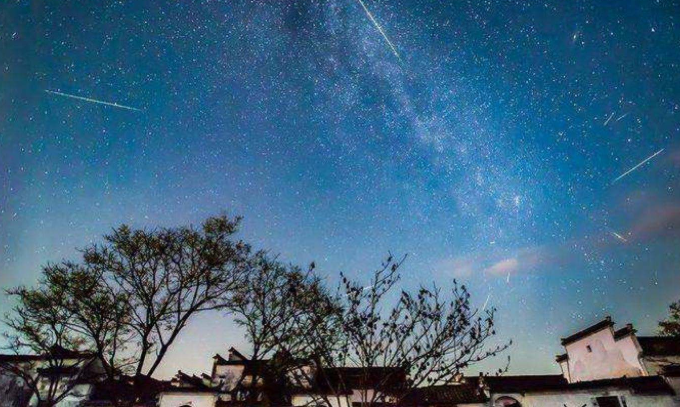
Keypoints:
(481, 138)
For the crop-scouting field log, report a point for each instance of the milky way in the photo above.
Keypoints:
(479, 137)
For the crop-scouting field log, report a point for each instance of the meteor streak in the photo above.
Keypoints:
(622, 116)
(638, 166)
(101, 102)
(618, 236)
(610, 117)
(486, 302)
(379, 28)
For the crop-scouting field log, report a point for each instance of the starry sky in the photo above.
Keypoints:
(483, 138)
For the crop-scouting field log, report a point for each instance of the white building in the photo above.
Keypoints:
(602, 367)
(77, 380)
(238, 380)
(601, 352)
(69, 376)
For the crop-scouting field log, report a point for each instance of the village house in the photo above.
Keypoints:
(73, 374)
(601, 367)
(236, 380)
(79, 377)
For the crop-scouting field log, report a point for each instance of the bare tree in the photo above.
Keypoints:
(372, 339)
(166, 276)
(129, 298)
(47, 359)
(272, 308)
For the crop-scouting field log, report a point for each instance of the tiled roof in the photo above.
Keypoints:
(56, 352)
(605, 323)
(19, 358)
(451, 395)
(364, 378)
(639, 385)
(193, 381)
(659, 345)
(518, 384)
(623, 332)
(671, 371)
(147, 389)
(469, 391)
(219, 359)
(523, 384)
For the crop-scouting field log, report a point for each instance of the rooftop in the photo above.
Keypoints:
(453, 394)
(605, 323)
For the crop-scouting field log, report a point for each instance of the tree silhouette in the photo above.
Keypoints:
(671, 325)
(128, 298)
(377, 339)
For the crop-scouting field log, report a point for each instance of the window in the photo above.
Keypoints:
(609, 401)
(589, 349)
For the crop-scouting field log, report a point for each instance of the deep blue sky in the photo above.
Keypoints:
(487, 153)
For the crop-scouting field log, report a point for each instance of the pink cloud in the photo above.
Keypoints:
(504, 266)
(661, 221)
(657, 221)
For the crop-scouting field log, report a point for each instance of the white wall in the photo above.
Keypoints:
(369, 395)
(305, 400)
(230, 374)
(72, 399)
(75, 396)
(578, 399)
(608, 359)
(178, 399)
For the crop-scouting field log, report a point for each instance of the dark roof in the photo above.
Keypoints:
(638, 385)
(659, 345)
(58, 370)
(19, 358)
(469, 391)
(248, 363)
(147, 390)
(671, 370)
(55, 352)
(241, 403)
(219, 359)
(193, 381)
(364, 377)
(453, 394)
(527, 384)
(233, 353)
(561, 358)
(623, 332)
(605, 323)
(519, 384)
(175, 389)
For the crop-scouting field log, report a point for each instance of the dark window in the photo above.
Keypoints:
(610, 401)
(589, 348)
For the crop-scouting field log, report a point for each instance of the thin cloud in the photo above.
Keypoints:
(505, 266)
(661, 221)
